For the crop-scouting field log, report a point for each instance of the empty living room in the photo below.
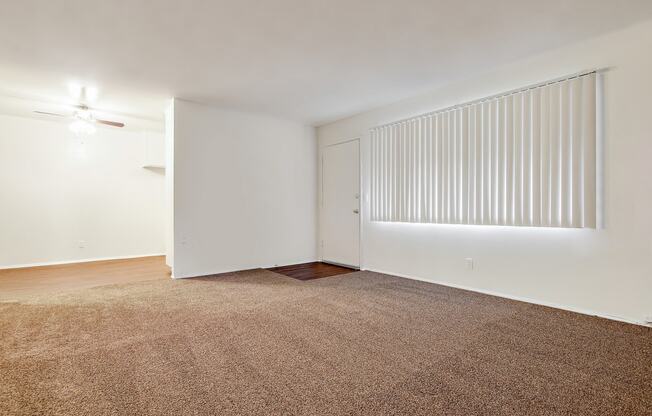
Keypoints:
(343, 207)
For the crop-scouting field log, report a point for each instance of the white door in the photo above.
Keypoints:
(340, 211)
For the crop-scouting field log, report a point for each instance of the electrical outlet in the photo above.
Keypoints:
(469, 263)
(81, 244)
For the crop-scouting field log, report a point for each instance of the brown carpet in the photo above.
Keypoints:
(358, 344)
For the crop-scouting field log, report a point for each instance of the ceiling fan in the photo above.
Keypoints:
(83, 119)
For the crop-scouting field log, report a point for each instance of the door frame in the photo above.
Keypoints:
(361, 199)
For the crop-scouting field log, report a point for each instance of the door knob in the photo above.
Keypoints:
(356, 211)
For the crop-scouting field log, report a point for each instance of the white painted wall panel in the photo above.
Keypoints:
(67, 199)
(245, 191)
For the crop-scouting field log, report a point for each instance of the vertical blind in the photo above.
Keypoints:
(524, 158)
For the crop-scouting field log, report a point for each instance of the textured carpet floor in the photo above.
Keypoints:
(359, 344)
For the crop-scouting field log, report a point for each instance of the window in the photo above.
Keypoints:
(525, 158)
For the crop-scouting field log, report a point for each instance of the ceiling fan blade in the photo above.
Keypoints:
(51, 114)
(110, 123)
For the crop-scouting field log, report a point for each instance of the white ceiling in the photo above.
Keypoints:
(309, 60)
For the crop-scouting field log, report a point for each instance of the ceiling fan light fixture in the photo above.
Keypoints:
(82, 127)
(85, 115)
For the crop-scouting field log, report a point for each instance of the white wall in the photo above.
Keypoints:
(57, 190)
(245, 191)
(606, 271)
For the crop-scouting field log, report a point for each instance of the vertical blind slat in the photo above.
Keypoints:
(575, 157)
(555, 155)
(589, 150)
(479, 166)
(525, 159)
(544, 161)
(535, 168)
(463, 195)
(510, 174)
(565, 155)
(486, 164)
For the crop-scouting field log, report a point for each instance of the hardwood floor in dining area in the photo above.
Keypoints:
(310, 271)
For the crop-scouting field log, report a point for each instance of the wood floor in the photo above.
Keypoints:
(309, 271)
(16, 284)
(28, 281)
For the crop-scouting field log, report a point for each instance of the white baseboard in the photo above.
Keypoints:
(518, 298)
(58, 263)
